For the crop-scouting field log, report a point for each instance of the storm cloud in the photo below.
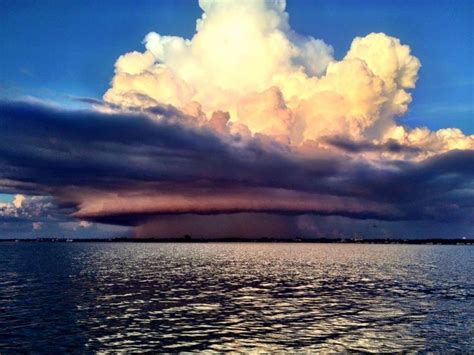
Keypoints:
(130, 169)
(246, 128)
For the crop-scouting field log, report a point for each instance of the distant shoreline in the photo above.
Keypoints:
(187, 239)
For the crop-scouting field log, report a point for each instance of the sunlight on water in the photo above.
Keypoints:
(236, 297)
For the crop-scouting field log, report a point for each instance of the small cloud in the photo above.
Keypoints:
(37, 225)
(17, 202)
(85, 224)
(28, 73)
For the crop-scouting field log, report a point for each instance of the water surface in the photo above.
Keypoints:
(235, 296)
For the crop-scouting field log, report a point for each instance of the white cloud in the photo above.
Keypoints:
(18, 201)
(244, 59)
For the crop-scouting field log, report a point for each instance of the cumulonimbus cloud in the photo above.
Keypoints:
(247, 121)
(245, 61)
(130, 169)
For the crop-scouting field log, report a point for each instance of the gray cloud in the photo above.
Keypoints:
(138, 169)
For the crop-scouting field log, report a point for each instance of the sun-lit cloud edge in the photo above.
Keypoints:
(246, 72)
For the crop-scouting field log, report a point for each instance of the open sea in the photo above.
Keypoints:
(239, 297)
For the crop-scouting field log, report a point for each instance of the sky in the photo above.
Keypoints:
(313, 118)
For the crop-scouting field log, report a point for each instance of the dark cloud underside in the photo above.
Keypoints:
(128, 169)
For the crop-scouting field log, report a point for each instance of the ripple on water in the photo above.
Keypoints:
(236, 297)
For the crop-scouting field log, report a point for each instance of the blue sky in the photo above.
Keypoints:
(52, 49)
(6, 198)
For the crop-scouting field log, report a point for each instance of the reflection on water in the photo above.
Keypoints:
(244, 297)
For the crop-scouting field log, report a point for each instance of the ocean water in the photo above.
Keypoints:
(235, 297)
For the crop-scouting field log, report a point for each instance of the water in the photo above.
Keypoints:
(237, 297)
